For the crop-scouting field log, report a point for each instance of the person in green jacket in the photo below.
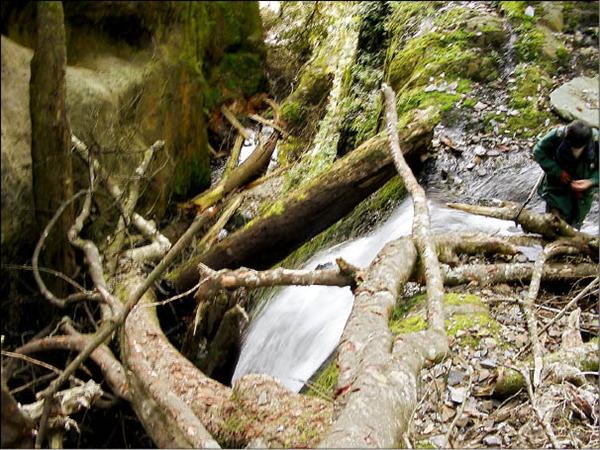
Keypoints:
(569, 157)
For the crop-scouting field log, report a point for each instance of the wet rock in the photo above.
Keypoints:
(484, 374)
(439, 441)
(457, 395)
(530, 11)
(447, 413)
(490, 362)
(455, 377)
(493, 440)
(480, 150)
(577, 99)
(489, 343)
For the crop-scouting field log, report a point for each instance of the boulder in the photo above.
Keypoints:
(577, 99)
(16, 193)
(138, 72)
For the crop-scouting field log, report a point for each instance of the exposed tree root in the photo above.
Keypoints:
(559, 366)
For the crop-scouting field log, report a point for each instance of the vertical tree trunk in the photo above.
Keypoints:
(51, 134)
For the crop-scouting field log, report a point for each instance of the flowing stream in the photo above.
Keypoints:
(302, 325)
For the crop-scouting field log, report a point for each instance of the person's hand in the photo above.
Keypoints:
(564, 177)
(581, 185)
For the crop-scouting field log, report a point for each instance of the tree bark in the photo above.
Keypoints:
(17, 428)
(582, 358)
(377, 384)
(548, 225)
(51, 135)
(169, 393)
(487, 274)
(307, 211)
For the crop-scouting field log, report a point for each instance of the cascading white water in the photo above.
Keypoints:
(299, 327)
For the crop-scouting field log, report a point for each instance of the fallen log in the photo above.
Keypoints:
(548, 225)
(377, 383)
(487, 274)
(169, 392)
(213, 281)
(307, 211)
(250, 169)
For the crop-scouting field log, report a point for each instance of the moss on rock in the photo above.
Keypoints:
(532, 84)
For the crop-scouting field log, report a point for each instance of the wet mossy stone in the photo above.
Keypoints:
(577, 99)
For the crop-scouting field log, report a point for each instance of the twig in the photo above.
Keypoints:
(48, 270)
(129, 207)
(208, 239)
(268, 123)
(551, 250)
(232, 162)
(92, 254)
(59, 302)
(107, 328)
(170, 299)
(578, 297)
(233, 121)
(37, 362)
(33, 382)
(545, 425)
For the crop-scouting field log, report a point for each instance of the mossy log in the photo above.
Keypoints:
(548, 225)
(305, 212)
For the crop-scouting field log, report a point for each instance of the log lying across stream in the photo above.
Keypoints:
(307, 211)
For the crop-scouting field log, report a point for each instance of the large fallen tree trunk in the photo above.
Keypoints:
(377, 383)
(175, 401)
(305, 212)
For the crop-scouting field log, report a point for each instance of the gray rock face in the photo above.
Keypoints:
(577, 99)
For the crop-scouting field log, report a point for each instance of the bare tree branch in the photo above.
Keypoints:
(421, 222)
(344, 275)
(59, 302)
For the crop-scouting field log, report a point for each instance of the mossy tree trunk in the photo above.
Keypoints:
(51, 134)
(307, 211)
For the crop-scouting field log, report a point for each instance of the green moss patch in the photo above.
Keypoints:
(532, 83)
(324, 385)
(472, 325)
(408, 316)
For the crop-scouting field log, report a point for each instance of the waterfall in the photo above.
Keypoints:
(301, 325)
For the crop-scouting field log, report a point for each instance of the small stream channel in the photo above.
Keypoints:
(299, 327)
